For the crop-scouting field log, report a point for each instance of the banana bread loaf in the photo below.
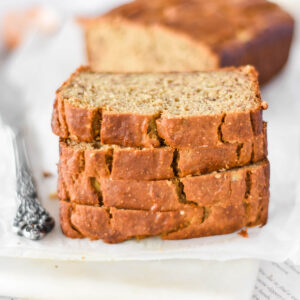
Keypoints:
(186, 35)
(181, 110)
(178, 155)
(216, 203)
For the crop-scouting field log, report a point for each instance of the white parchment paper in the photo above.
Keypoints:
(38, 69)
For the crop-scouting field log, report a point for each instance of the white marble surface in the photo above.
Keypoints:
(168, 279)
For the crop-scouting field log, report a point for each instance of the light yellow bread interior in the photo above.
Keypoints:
(173, 94)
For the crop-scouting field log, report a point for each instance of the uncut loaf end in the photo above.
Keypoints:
(181, 110)
(185, 35)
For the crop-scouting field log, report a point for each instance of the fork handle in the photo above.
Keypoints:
(32, 220)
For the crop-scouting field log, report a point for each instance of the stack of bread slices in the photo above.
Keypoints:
(176, 155)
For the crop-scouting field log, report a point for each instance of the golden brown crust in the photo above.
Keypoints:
(160, 163)
(116, 225)
(244, 32)
(257, 118)
(253, 184)
(189, 132)
(61, 188)
(260, 146)
(146, 164)
(160, 195)
(127, 130)
(245, 151)
(118, 163)
(71, 160)
(127, 224)
(209, 189)
(222, 189)
(91, 222)
(202, 160)
(65, 211)
(224, 204)
(257, 199)
(58, 124)
(220, 220)
(95, 162)
(130, 130)
(81, 122)
(237, 127)
(77, 188)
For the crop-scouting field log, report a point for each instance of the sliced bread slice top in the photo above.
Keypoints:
(148, 109)
(172, 94)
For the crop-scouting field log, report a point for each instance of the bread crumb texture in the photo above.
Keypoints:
(172, 94)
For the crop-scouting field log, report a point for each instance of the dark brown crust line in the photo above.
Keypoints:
(160, 163)
(241, 200)
(134, 130)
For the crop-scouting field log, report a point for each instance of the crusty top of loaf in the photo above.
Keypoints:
(216, 22)
(173, 94)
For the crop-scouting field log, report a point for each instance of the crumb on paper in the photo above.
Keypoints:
(53, 196)
(83, 257)
(56, 266)
(47, 174)
(244, 233)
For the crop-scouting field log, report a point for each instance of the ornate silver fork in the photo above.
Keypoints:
(32, 220)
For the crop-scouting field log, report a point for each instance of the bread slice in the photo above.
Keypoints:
(116, 225)
(223, 203)
(244, 185)
(96, 160)
(181, 110)
(180, 35)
